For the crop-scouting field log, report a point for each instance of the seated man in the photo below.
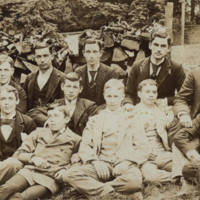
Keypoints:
(6, 72)
(13, 128)
(80, 109)
(46, 154)
(153, 122)
(111, 150)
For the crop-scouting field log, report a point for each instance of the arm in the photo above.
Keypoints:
(184, 97)
(179, 79)
(92, 109)
(131, 87)
(22, 106)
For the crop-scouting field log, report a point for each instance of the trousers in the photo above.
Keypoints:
(86, 181)
(17, 188)
(159, 170)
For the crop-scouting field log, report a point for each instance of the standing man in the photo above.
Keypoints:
(112, 150)
(168, 74)
(80, 109)
(6, 73)
(94, 74)
(14, 127)
(43, 86)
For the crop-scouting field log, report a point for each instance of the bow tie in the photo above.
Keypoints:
(7, 122)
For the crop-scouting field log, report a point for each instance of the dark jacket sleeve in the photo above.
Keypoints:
(92, 109)
(29, 125)
(184, 97)
(131, 86)
(22, 106)
(187, 139)
(179, 79)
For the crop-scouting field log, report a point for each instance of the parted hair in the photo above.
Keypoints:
(73, 76)
(94, 41)
(162, 35)
(8, 60)
(42, 45)
(146, 82)
(114, 83)
(63, 109)
(10, 88)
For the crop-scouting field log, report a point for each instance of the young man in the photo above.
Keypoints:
(80, 109)
(14, 126)
(94, 74)
(6, 73)
(111, 150)
(43, 86)
(168, 74)
(153, 122)
(46, 154)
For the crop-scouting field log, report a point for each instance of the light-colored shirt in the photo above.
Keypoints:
(95, 70)
(44, 77)
(151, 67)
(71, 106)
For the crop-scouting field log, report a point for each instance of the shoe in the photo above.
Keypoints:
(186, 188)
(136, 196)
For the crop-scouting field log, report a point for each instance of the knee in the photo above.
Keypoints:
(70, 175)
(190, 170)
(150, 177)
(13, 164)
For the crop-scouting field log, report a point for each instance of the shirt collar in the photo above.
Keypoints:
(72, 102)
(159, 62)
(47, 73)
(11, 117)
(107, 110)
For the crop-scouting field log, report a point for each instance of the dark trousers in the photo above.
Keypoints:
(17, 188)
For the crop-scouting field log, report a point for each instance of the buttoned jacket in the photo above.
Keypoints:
(131, 143)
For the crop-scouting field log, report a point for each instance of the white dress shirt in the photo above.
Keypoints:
(7, 129)
(44, 77)
(71, 106)
(90, 70)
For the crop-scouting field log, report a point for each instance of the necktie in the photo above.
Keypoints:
(92, 73)
(155, 70)
(7, 122)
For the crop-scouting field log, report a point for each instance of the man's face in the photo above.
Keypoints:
(43, 58)
(159, 48)
(92, 54)
(113, 98)
(8, 102)
(148, 95)
(57, 120)
(6, 72)
(71, 89)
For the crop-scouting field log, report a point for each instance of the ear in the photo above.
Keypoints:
(150, 45)
(13, 70)
(62, 86)
(17, 102)
(67, 119)
(101, 53)
(139, 94)
(169, 49)
(83, 52)
(52, 56)
(81, 89)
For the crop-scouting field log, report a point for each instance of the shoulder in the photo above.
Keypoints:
(59, 73)
(174, 64)
(72, 135)
(80, 69)
(106, 68)
(58, 100)
(31, 75)
(26, 119)
(86, 102)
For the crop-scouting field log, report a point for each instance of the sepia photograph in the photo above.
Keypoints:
(99, 99)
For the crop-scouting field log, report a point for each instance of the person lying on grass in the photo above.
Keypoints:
(46, 154)
(112, 151)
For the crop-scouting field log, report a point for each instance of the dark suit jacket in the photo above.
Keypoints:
(167, 82)
(187, 139)
(24, 124)
(189, 95)
(22, 106)
(105, 73)
(54, 89)
(84, 109)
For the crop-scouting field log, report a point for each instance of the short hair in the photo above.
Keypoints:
(94, 41)
(63, 109)
(162, 35)
(73, 76)
(146, 82)
(114, 83)
(10, 88)
(8, 60)
(42, 45)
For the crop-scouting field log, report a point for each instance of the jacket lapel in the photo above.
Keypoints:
(31, 88)
(99, 80)
(164, 71)
(83, 74)
(79, 110)
(55, 79)
(144, 69)
(19, 126)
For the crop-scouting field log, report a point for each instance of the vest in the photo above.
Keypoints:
(91, 90)
(71, 124)
(39, 95)
(8, 148)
